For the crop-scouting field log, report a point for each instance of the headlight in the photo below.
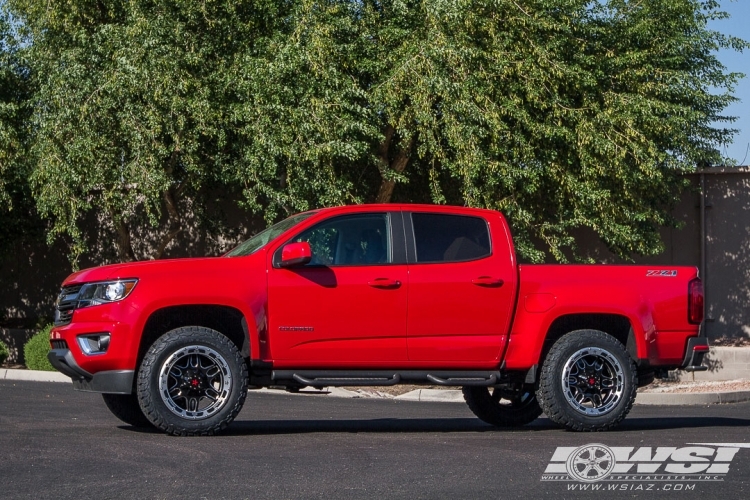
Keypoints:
(105, 292)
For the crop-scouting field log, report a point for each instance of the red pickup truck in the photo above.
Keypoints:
(376, 295)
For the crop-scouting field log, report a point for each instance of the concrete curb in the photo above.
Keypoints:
(692, 398)
(32, 375)
(431, 395)
(334, 392)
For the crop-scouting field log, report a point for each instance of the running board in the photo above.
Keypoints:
(341, 378)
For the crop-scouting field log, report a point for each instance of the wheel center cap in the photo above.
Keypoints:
(195, 382)
(592, 381)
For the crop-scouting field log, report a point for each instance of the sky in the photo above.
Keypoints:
(737, 62)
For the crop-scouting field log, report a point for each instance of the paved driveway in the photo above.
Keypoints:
(57, 443)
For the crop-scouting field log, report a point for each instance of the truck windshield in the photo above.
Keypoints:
(261, 239)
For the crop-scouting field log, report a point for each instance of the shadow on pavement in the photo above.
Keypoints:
(271, 427)
(374, 425)
(664, 423)
(431, 425)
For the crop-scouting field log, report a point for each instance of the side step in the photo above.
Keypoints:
(343, 378)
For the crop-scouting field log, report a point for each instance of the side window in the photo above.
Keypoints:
(450, 238)
(350, 240)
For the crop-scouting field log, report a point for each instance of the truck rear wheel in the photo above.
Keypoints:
(588, 381)
(126, 408)
(505, 406)
(193, 381)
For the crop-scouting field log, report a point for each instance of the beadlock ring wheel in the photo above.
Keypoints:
(593, 381)
(195, 382)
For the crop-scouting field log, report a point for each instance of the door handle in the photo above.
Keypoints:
(488, 281)
(384, 283)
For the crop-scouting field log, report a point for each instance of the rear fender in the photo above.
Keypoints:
(532, 333)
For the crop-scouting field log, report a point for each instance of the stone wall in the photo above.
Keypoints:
(726, 276)
(30, 274)
(15, 339)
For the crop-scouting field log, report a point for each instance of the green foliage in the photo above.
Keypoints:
(4, 352)
(36, 349)
(561, 113)
(18, 217)
(14, 95)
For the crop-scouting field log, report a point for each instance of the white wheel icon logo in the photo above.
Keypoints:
(590, 463)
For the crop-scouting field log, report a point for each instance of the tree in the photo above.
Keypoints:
(128, 117)
(561, 113)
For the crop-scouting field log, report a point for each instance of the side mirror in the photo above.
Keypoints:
(296, 254)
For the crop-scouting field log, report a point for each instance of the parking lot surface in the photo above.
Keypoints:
(58, 443)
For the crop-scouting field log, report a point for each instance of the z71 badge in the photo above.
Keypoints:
(669, 273)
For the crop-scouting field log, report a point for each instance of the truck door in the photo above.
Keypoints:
(347, 307)
(462, 282)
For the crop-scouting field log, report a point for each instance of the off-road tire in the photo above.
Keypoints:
(168, 346)
(552, 386)
(513, 411)
(126, 408)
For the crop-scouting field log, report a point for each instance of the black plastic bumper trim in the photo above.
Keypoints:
(693, 361)
(63, 361)
(110, 382)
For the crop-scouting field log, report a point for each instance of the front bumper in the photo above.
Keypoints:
(108, 381)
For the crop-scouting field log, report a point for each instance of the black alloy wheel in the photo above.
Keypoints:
(588, 381)
(193, 381)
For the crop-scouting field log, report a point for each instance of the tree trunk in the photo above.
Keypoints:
(170, 201)
(385, 193)
(124, 246)
(174, 221)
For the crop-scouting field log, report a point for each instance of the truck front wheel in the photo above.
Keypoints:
(503, 406)
(588, 381)
(193, 381)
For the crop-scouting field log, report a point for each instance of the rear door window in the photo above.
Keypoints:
(450, 238)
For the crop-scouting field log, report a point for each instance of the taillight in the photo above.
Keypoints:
(695, 301)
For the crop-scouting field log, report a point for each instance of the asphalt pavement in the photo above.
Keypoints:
(58, 443)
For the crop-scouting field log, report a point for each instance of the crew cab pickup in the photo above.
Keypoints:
(376, 295)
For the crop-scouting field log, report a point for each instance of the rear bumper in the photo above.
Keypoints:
(697, 348)
(108, 381)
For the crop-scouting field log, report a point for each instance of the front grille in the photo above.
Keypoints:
(66, 304)
(59, 344)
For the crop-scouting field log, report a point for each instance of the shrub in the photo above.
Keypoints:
(3, 352)
(36, 349)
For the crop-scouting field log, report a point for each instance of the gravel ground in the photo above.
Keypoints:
(695, 386)
(659, 386)
(668, 386)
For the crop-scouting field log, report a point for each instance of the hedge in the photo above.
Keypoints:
(4, 353)
(36, 349)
